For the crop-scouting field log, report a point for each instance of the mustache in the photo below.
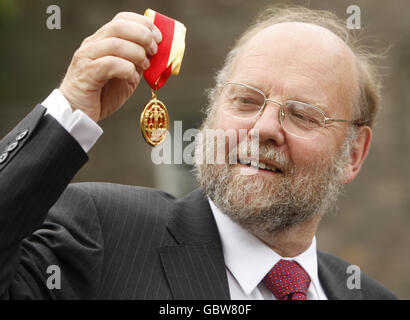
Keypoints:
(266, 153)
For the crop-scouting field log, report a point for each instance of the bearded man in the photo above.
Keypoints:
(301, 89)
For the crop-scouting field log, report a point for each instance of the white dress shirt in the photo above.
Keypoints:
(85, 130)
(248, 260)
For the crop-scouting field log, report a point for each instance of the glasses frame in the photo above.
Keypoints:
(281, 114)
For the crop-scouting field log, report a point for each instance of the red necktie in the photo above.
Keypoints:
(287, 280)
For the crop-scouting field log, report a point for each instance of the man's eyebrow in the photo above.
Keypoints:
(300, 97)
(309, 100)
(295, 97)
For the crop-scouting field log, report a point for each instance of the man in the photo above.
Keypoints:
(293, 80)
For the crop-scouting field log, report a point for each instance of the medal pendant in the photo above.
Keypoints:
(154, 121)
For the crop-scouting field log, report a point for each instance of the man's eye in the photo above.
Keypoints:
(300, 116)
(245, 100)
(306, 119)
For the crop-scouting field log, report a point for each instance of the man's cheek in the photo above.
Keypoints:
(303, 154)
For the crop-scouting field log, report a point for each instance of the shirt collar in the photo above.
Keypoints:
(249, 259)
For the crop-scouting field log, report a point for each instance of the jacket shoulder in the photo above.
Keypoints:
(334, 274)
(117, 201)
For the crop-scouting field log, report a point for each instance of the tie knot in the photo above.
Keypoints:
(287, 280)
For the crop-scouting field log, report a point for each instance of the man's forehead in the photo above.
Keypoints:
(300, 55)
(304, 42)
(303, 33)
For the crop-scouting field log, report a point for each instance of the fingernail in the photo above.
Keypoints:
(137, 77)
(157, 35)
(153, 48)
(146, 64)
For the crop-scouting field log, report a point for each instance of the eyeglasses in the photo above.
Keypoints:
(296, 118)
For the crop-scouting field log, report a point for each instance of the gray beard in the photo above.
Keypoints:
(265, 206)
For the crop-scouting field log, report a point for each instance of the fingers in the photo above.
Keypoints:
(129, 36)
(117, 47)
(117, 51)
(131, 31)
(131, 27)
(108, 67)
(131, 16)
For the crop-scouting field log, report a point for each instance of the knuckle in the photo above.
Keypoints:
(97, 69)
(146, 37)
(115, 44)
(107, 63)
(86, 41)
(118, 25)
(78, 56)
(78, 53)
(140, 54)
(127, 15)
(146, 21)
(112, 28)
(130, 69)
(121, 15)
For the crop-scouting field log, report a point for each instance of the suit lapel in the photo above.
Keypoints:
(195, 267)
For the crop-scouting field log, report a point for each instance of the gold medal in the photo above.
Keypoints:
(154, 121)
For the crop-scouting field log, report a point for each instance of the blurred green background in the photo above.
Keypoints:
(371, 226)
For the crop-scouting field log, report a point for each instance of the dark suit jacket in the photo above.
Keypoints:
(111, 241)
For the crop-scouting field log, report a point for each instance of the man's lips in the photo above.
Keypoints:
(260, 164)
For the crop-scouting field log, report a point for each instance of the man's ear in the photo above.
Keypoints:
(358, 153)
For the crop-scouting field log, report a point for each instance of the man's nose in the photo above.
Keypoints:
(270, 129)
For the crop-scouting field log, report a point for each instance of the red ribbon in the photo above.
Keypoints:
(158, 72)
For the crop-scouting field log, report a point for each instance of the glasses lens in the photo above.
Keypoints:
(241, 101)
(302, 120)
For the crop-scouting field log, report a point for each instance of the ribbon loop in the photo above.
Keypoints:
(171, 49)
